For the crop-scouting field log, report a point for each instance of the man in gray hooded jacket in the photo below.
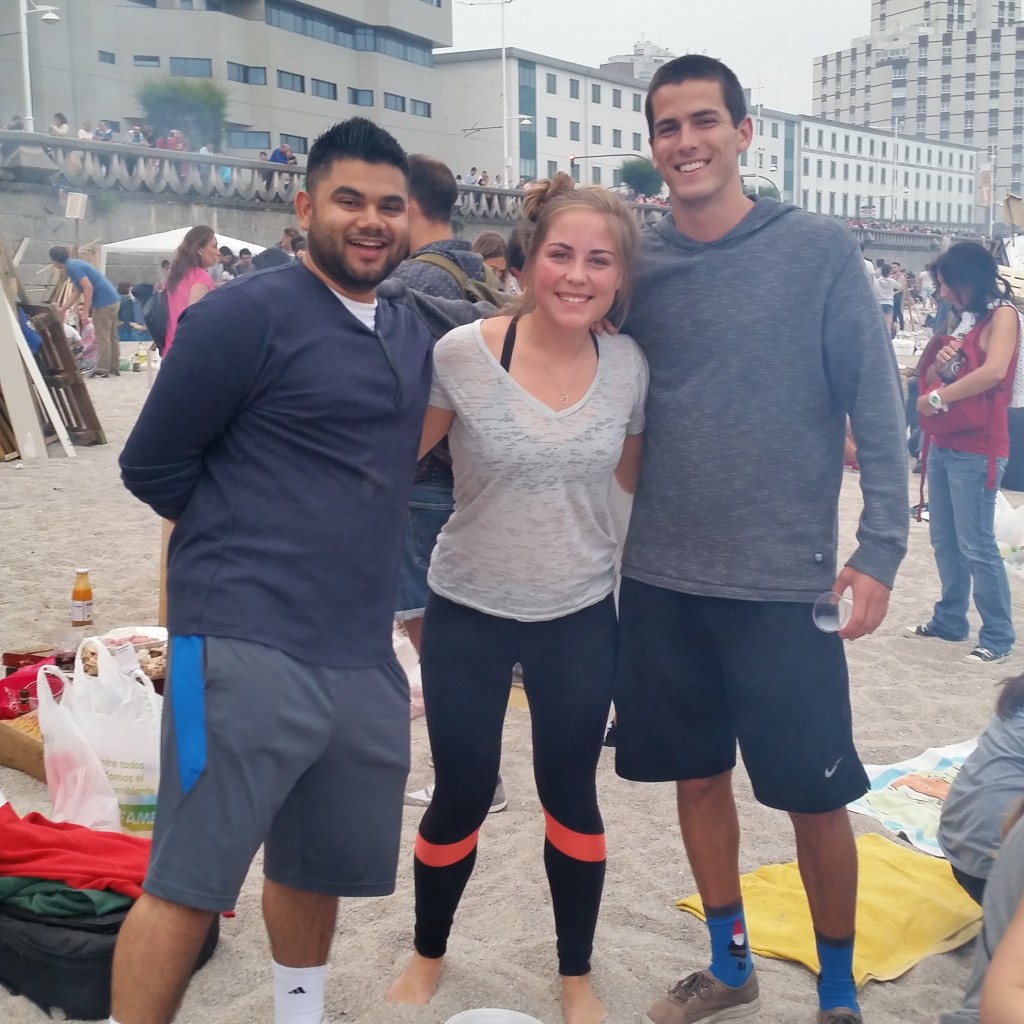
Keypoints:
(734, 529)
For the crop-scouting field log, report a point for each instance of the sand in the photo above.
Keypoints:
(908, 695)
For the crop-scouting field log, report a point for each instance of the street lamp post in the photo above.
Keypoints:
(774, 169)
(505, 118)
(49, 15)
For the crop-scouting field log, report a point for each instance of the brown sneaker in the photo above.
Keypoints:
(840, 1015)
(702, 997)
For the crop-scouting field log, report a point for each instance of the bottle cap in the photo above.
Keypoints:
(81, 570)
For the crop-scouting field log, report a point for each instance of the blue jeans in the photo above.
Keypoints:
(961, 512)
(430, 505)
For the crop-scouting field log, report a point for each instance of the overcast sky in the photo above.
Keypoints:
(763, 41)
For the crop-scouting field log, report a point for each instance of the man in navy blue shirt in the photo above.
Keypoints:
(281, 437)
(101, 303)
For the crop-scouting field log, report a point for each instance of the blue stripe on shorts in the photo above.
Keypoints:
(187, 685)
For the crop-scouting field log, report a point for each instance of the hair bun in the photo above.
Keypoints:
(540, 193)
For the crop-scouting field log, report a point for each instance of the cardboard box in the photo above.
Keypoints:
(22, 752)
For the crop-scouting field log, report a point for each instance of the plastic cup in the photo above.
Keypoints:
(832, 611)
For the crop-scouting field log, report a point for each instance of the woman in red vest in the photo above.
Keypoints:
(966, 382)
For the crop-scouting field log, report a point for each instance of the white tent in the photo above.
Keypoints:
(165, 242)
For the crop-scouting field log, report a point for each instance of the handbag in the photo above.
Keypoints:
(157, 314)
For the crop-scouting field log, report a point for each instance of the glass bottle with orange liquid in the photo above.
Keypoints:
(81, 599)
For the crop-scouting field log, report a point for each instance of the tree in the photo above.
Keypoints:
(197, 108)
(641, 176)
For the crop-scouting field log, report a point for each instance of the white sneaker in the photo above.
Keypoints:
(420, 797)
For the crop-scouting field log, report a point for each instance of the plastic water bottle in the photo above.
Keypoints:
(951, 370)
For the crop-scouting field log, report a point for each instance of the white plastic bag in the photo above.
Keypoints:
(79, 790)
(119, 715)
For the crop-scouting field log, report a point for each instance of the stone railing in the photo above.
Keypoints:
(76, 164)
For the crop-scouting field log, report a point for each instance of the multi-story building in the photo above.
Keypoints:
(557, 116)
(291, 69)
(645, 59)
(940, 70)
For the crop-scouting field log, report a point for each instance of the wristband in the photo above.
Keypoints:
(936, 402)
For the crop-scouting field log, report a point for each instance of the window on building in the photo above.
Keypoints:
(331, 28)
(595, 92)
(299, 143)
(329, 91)
(616, 97)
(360, 97)
(832, 169)
(574, 131)
(820, 167)
(595, 174)
(616, 139)
(552, 127)
(420, 108)
(821, 139)
(595, 134)
(807, 136)
(637, 142)
(245, 74)
(191, 67)
(574, 88)
(106, 57)
(846, 172)
(552, 169)
(141, 60)
(552, 84)
(296, 83)
(775, 129)
(637, 102)
(574, 171)
(616, 176)
(860, 171)
(248, 140)
(392, 101)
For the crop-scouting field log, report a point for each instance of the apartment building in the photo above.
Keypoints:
(291, 68)
(555, 116)
(937, 71)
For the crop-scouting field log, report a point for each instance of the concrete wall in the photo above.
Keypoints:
(37, 213)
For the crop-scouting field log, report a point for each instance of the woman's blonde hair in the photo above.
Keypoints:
(490, 245)
(547, 199)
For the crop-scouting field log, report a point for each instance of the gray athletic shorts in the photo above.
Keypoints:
(308, 760)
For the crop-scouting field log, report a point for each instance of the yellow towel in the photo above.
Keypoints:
(908, 907)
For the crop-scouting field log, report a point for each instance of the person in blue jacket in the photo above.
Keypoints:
(281, 438)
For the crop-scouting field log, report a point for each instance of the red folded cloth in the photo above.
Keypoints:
(35, 847)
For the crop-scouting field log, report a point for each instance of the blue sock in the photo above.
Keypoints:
(835, 985)
(730, 952)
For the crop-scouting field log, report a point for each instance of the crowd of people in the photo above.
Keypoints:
(463, 453)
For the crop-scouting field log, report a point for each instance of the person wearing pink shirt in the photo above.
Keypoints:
(189, 278)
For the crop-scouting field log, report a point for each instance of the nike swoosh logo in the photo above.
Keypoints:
(829, 772)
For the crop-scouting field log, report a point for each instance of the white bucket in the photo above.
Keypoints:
(491, 1016)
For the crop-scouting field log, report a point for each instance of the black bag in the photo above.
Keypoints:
(65, 962)
(157, 315)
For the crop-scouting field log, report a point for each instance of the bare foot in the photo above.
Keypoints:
(416, 985)
(579, 1003)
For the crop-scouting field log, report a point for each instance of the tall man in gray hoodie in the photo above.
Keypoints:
(734, 529)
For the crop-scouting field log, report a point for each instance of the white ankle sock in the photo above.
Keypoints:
(298, 994)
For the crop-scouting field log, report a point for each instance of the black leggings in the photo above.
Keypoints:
(466, 661)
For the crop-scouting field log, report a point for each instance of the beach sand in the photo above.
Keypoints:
(59, 514)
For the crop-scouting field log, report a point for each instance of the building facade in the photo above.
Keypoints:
(641, 64)
(945, 70)
(561, 116)
(291, 69)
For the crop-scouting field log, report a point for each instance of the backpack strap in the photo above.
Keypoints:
(437, 259)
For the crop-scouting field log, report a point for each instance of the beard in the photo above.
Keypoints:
(328, 251)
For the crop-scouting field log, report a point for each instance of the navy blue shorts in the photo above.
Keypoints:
(698, 676)
(430, 506)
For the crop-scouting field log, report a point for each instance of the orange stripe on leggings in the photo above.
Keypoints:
(435, 855)
(577, 845)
